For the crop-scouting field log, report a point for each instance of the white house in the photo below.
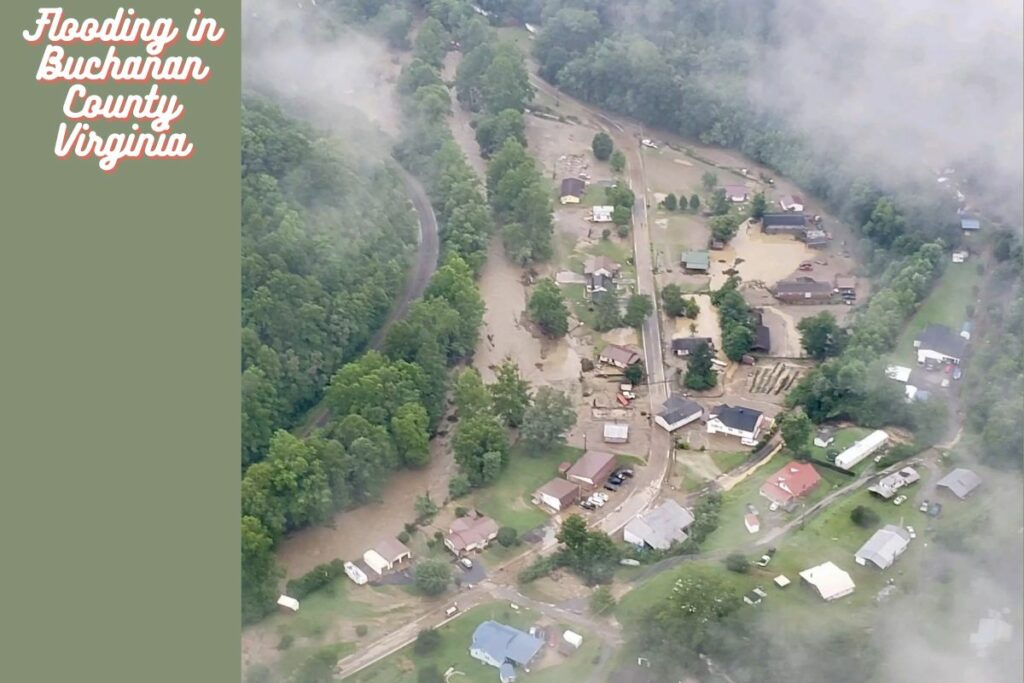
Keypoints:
(678, 412)
(738, 421)
(861, 449)
(602, 214)
(939, 344)
(616, 433)
(884, 546)
(830, 581)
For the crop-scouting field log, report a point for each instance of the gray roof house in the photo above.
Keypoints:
(961, 482)
(503, 647)
(659, 528)
(792, 223)
(678, 412)
(802, 290)
(883, 547)
(941, 341)
(737, 417)
(684, 346)
(887, 486)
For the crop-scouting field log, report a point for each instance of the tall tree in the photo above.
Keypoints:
(638, 307)
(432, 577)
(547, 308)
(510, 393)
(602, 146)
(431, 42)
(758, 205)
(506, 83)
(259, 573)
(492, 131)
(700, 371)
(547, 420)
(471, 396)
(617, 161)
(606, 312)
(409, 427)
(796, 429)
(670, 202)
(709, 181)
(694, 202)
(821, 336)
(475, 438)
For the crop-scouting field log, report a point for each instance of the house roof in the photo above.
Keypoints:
(616, 431)
(559, 488)
(792, 199)
(941, 339)
(762, 339)
(699, 259)
(825, 433)
(627, 355)
(802, 285)
(830, 581)
(792, 481)
(899, 373)
(737, 417)
(970, 224)
(884, 546)
(690, 344)
(662, 526)
(676, 408)
(815, 237)
(960, 481)
(736, 190)
(470, 530)
(846, 282)
(590, 465)
(391, 549)
(573, 187)
(888, 485)
(770, 219)
(504, 643)
(596, 263)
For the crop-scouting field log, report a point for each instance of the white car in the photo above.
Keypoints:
(878, 458)
(597, 502)
(600, 494)
(773, 507)
(899, 500)
(466, 562)
(763, 562)
(910, 530)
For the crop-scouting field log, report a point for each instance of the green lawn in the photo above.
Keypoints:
(731, 532)
(508, 499)
(580, 303)
(613, 249)
(946, 305)
(594, 196)
(727, 462)
(453, 651)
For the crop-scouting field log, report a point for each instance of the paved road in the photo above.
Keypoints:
(427, 257)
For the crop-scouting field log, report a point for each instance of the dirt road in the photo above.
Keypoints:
(416, 282)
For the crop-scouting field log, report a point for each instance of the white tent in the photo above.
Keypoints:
(830, 581)
(289, 603)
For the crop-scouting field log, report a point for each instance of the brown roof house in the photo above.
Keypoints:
(802, 290)
(592, 468)
(472, 532)
(557, 494)
(619, 356)
(385, 554)
(572, 191)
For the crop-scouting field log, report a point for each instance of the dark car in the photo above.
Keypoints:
(610, 486)
(625, 474)
(587, 506)
(615, 480)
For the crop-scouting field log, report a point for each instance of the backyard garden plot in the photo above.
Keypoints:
(774, 379)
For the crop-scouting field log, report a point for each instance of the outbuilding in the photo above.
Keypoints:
(572, 190)
(861, 449)
(290, 604)
(386, 554)
(558, 494)
(829, 581)
(824, 437)
(591, 469)
(616, 433)
(961, 482)
(884, 546)
(678, 412)
(602, 214)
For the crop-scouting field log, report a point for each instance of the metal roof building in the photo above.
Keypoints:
(884, 546)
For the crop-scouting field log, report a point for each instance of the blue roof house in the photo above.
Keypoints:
(504, 647)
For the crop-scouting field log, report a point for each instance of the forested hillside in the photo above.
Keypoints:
(325, 248)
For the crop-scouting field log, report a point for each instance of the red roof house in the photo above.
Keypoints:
(791, 482)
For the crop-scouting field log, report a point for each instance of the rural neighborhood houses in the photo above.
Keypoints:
(738, 421)
(939, 344)
(961, 482)
(678, 412)
(504, 648)
(884, 546)
(600, 273)
(861, 449)
(558, 494)
(572, 191)
(472, 532)
(386, 554)
(829, 581)
(619, 356)
(659, 528)
(791, 482)
(591, 469)
(992, 630)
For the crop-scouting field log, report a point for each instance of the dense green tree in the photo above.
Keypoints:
(621, 216)
(700, 372)
(475, 438)
(718, 203)
(566, 33)
(492, 131)
(885, 223)
(617, 162)
(694, 202)
(409, 427)
(416, 75)
(709, 181)
(620, 195)
(547, 309)
(547, 420)
(821, 336)
(506, 83)
(469, 78)
(796, 429)
(638, 307)
(431, 42)
(431, 577)
(507, 537)
(591, 554)
(259, 573)
(634, 374)
(471, 396)
(427, 641)
(758, 206)
(670, 202)
(865, 517)
(607, 315)
(510, 393)
(602, 146)
(675, 304)
(737, 562)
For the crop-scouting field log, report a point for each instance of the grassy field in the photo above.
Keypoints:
(727, 462)
(731, 531)
(401, 667)
(946, 305)
(594, 196)
(508, 499)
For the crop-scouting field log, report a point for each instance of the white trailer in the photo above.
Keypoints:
(862, 449)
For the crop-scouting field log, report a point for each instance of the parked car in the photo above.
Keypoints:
(596, 502)
(763, 562)
(899, 500)
(616, 480)
(806, 266)
(773, 507)
(625, 473)
(449, 611)
(600, 495)
(466, 562)
(587, 505)
(910, 530)
(878, 458)
(610, 486)
(957, 372)
(924, 506)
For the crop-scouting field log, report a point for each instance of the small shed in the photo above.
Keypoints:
(752, 523)
(699, 261)
(616, 433)
(573, 638)
(288, 603)
(782, 581)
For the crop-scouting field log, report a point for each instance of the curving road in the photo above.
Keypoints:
(416, 283)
